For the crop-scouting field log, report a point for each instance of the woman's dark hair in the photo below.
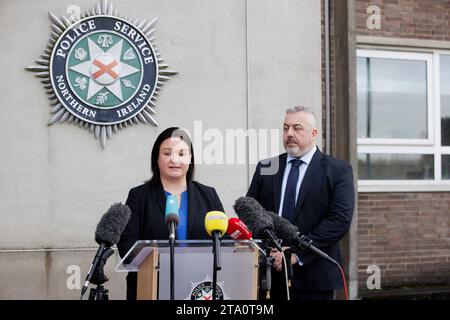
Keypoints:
(173, 132)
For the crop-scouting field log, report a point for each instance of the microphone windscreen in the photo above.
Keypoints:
(253, 215)
(172, 209)
(238, 230)
(216, 221)
(285, 230)
(112, 224)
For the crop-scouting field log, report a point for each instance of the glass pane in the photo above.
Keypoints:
(445, 99)
(392, 98)
(395, 166)
(362, 90)
(446, 166)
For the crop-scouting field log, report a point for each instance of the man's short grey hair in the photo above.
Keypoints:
(312, 116)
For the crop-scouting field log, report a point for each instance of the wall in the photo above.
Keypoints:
(417, 19)
(240, 64)
(405, 234)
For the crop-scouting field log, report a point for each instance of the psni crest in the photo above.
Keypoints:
(102, 71)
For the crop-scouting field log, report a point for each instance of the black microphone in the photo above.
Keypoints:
(107, 234)
(254, 216)
(291, 236)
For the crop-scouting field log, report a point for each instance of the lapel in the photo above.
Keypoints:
(314, 167)
(278, 181)
(154, 214)
(159, 196)
(193, 215)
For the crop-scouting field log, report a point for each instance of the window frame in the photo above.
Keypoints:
(432, 145)
(404, 56)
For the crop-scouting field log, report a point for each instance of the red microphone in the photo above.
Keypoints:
(238, 230)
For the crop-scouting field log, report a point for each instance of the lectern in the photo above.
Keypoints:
(238, 279)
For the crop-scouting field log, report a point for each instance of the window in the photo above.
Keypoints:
(403, 120)
(445, 98)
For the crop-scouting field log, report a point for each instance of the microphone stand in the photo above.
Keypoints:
(217, 265)
(267, 283)
(99, 278)
(172, 260)
(93, 268)
(271, 242)
(269, 264)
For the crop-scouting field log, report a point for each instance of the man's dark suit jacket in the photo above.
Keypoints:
(147, 203)
(323, 212)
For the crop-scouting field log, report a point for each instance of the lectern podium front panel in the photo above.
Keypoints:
(237, 280)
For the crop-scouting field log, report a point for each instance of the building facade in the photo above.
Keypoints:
(240, 64)
(403, 83)
(376, 72)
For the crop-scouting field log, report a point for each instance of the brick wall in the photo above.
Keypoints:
(407, 235)
(417, 19)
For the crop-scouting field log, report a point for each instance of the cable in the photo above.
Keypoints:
(286, 275)
(329, 259)
(342, 274)
(343, 280)
(260, 249)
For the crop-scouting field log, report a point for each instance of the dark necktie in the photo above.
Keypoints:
(289, 192)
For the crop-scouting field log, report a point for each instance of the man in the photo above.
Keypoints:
(313, 191)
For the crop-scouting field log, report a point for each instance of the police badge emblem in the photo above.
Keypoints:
(203, 290)
(102, 71)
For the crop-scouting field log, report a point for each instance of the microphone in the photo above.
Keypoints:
(216, 224)
(172, 216)
(107, 234)
(291, 236)
(238, 230)
(253, 214)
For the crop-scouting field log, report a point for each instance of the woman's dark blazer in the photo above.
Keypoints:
(147, 203)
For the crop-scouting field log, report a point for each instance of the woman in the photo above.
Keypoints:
(173, 170)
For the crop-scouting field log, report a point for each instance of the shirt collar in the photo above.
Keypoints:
(306, 158)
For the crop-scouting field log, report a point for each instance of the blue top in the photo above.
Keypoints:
(183, 212)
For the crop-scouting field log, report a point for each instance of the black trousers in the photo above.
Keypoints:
(311, 295)
(278, 291)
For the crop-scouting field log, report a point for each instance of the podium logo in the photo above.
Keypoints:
(101, 71)
(204, 290)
